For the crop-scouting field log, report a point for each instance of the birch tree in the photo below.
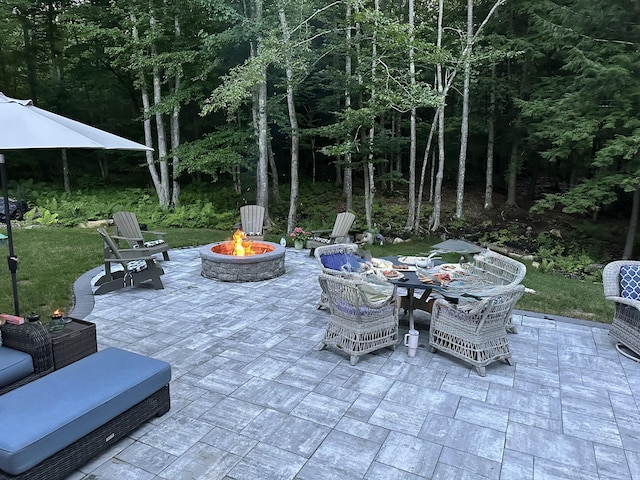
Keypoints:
(464, 127)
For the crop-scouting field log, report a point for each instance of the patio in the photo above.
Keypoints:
(253, 399)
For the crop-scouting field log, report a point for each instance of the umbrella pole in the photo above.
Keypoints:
(12, 260)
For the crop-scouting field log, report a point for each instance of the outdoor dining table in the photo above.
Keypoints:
(470, 286)
(410, 281)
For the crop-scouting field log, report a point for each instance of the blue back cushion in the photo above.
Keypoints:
(342, 262)
(630, 281)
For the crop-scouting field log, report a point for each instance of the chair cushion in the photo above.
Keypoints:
(630, 281)
(342, 262)
(14, 365)
(153, 243)
(376, 292)
(320, 240)
(136, 265)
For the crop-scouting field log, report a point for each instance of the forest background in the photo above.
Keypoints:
(495, 120)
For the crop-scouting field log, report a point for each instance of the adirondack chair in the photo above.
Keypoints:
(128, 229)
(339, 234)
(138, 267)
(252, 221)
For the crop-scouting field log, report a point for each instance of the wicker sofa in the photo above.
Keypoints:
(32, 339)
(88, 406)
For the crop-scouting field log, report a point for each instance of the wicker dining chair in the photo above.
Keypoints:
(476, 332)
(497, 269)
(621, 282)
(337, 259)
(364, 315)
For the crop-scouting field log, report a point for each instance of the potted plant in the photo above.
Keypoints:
(299, 237)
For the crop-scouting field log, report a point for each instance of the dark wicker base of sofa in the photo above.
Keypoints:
(78, 453)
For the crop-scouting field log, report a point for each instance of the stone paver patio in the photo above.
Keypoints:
(252, 399)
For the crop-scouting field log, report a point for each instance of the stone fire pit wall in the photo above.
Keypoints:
(252, 268)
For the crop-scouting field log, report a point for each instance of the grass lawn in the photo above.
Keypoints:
(51, 259)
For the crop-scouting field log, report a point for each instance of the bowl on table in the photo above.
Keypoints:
(424, 262)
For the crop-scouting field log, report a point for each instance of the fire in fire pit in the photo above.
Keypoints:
(240, 260)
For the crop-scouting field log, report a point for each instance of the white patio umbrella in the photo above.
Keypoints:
(24, 126)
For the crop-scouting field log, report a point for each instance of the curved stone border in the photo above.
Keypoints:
(251, 268)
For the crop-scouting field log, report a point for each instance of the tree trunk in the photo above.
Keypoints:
(437, 197)
(370, 188)
(275, 184)
(175, 127)
(146, 110)
(262, 194)
(65, 171)
(464, 128)
(491, 138)
(30, 56)
(633, 226)
(163, 193)
(413, 140)
(425, 162)
(293, 122)
(347, 186)
(512, 174)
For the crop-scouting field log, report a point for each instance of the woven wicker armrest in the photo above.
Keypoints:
(31, 338)
(625, 301)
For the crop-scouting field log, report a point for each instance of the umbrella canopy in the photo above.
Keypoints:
(24, 126)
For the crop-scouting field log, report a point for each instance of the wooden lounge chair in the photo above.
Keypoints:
(252, 221)
(339, 234)
(138, 267)
(128, 229)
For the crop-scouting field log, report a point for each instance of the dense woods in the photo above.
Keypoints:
(531, 98)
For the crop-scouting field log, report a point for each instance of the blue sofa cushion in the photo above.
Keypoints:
(14, 365)
(48, 414)
(630, 281)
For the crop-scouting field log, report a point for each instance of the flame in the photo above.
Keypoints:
(241, 246)
(58, 313)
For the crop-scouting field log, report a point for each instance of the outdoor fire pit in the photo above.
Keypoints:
(239, 260)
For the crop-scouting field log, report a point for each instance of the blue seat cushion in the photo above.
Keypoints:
(48, 414)
(630, 281)
(14, 365)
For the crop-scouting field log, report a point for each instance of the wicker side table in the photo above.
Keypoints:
(76, 341)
